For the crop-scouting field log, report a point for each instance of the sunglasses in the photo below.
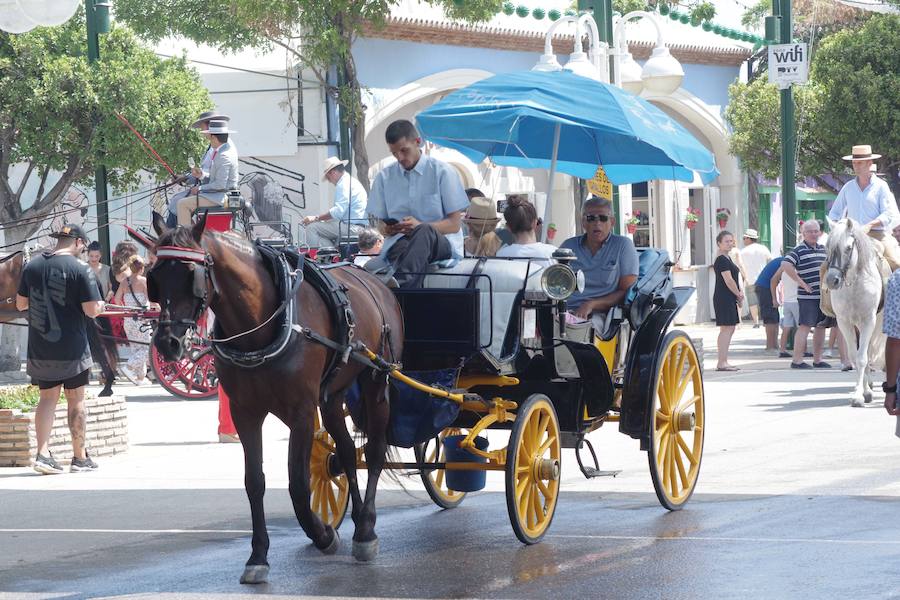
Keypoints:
(592, 218)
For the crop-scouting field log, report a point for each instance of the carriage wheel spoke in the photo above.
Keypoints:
(537, 507)
(544, 489)
(661, 451)
(684, 448)
(662, 392)
(673, 484)
(682, 386)
(680, 464)
(551, 439)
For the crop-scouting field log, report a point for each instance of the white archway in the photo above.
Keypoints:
(408, 100)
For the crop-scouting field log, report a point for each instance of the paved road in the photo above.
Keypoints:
(798, 496)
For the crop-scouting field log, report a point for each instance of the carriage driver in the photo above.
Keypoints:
(420, 201)
(868, 200)
(197, 174)
(609, 262)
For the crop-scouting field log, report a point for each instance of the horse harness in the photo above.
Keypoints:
(289, 269)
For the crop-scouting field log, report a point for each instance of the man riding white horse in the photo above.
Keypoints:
(868, 201)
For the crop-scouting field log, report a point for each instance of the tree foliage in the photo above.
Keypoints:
(58, 116)
(319, 35)
(851, 99)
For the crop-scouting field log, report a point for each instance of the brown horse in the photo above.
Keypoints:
(195, 265)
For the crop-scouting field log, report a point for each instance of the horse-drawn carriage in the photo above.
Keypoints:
(487, 346)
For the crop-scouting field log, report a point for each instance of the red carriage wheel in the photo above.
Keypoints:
(186, 378)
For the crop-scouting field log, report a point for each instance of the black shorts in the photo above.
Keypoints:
(767, 310)
(810, 313)
(76, 381)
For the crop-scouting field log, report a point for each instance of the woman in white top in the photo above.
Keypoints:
(521, 220)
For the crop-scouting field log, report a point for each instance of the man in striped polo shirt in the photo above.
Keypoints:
(802, 265)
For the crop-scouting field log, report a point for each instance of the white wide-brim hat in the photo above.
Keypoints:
(751, 233)
(332, 162)
(862, 152)
(217, 126)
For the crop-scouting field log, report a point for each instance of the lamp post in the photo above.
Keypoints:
(608, 54)
(97, 16)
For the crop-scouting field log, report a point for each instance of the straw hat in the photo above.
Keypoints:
(481, 210)
(862, 152)
(751, 233)
(332, 162)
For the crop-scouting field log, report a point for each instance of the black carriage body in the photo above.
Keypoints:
(443, 330)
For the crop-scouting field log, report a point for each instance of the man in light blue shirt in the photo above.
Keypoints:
(868, 200)
(420, 202)
(609, 261)
(347, 216)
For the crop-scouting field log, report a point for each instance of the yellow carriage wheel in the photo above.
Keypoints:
(533, 469)
(435, 480)
(330, 493)
(676, 422)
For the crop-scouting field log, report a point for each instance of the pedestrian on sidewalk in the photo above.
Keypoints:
(892, 344)
(768, 310)
(802, 265)
(58, 290)
(786, 296)
(755, 257)
(727, 297)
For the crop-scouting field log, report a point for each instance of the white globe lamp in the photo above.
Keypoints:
(12, 19)
(49, 13)
(662, 73)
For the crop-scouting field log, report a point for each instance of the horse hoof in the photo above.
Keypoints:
(867, 398)
(335, 543)
(855, 403)
(255, 574)
(365, 551)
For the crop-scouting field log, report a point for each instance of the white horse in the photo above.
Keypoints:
(856, 285)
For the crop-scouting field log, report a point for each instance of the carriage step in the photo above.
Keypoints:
(588, 471)
(591, 472)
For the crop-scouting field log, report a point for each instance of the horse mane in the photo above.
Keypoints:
(865, 250)
(180, 236)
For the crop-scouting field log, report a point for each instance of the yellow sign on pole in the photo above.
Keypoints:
(599, 185)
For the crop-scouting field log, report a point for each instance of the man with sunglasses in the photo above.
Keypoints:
(609, 261)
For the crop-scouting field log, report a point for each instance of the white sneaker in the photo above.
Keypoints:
(827, 353)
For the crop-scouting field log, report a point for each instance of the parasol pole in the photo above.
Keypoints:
(550, 183)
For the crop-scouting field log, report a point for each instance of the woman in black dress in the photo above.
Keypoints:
(727, 297)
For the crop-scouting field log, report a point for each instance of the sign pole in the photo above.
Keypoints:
(93, 42)
(782, 8)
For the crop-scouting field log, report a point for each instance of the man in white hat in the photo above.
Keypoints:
(223, 173)
(755, 256)
(347, 216)
(868, 200)
(197, 174)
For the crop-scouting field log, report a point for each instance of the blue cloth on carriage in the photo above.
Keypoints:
(416, 416)
(647, 259)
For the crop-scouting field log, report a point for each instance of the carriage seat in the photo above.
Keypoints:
(653, 282)
(499, 282)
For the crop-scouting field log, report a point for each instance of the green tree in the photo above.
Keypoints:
(319, 35)
(857, 73)
(851, 99)
(58, 117)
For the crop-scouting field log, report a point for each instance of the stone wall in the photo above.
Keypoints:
(107, 432)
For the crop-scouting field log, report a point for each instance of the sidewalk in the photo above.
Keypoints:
(766, 406)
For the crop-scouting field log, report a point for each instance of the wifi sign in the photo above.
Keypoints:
(788, 64)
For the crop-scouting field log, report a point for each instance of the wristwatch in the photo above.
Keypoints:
(888, 389)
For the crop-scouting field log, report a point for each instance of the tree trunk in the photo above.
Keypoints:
(357, 122)
(752, 202)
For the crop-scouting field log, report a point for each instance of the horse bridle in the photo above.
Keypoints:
(201, 264)
(838, 262)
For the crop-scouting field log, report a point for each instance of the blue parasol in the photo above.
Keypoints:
(565, 122)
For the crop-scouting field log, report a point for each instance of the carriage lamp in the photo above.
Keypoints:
(559, 282)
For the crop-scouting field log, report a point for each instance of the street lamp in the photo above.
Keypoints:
(19, 16)
(661, 74)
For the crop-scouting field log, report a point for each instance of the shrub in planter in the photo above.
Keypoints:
(106, 423)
